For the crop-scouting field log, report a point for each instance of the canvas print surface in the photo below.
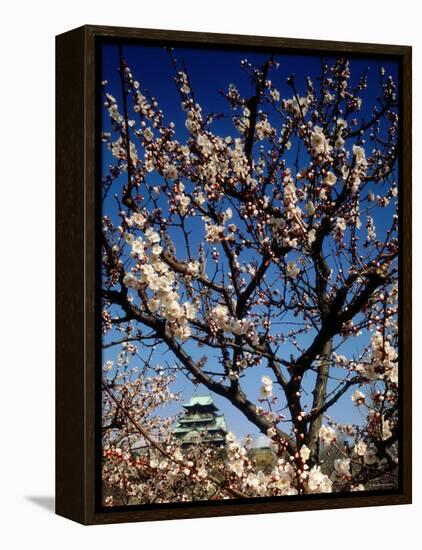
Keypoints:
(249, 274)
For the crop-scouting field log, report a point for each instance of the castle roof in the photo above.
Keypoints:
(200, 401)
(218, 423)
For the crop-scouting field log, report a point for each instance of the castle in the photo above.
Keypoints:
(201, 422)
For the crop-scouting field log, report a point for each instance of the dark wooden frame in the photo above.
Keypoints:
(75, 275)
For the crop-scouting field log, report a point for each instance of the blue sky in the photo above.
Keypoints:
(211, 71)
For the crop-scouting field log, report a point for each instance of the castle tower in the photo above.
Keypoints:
(201, 422)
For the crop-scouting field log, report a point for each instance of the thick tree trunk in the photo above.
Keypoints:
(320, 395)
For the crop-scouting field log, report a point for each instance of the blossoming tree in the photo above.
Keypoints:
(264, 249)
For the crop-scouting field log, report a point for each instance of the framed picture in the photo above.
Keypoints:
(233, 274)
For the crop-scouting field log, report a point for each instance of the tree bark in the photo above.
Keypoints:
(319, 398)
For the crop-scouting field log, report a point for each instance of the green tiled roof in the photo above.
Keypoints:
(197, 418)
(201, 400)
(219, 423)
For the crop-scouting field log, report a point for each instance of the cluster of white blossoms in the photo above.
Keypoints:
(148, 134)
(385, 429)
(128, 381)
(194, 119)
(170, 172)
(341, 470)
(113, 109)
(311, 480)
(327, 434)
(193, 110)
(222, 320)
(290, 227)
(193, 268)
(214, 233)
(238, 160)
(266, 390)
(183, 82)
(237, 459)
(264, 129)
(161, 281)
(141, 103)
(311, 236)
(352, 177)
(360, 168)
(319, 143)
(358, 397)
(328, 98)
(310, 208)
(183, 201)
(119, 150)
(370, 230)
(286, 477)
(330, 179)
(289, 194)
(339, 229)
(292, 212)
(160, 154)
(341, 125)
(360, 157)
(220, 159)
(297, 108)
(365, 452)
(275, 94)
(292, 271)
(383, 365)
(360, 448)
(279, 481)
(316, 482)
(243, 123)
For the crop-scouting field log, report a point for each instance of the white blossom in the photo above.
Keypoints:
(266, 390)
(342, 466)
(317, 482)
(292, 271)
(358, 397)
(305, 452)
(327, 434)
(330, 179)
(319, 143)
